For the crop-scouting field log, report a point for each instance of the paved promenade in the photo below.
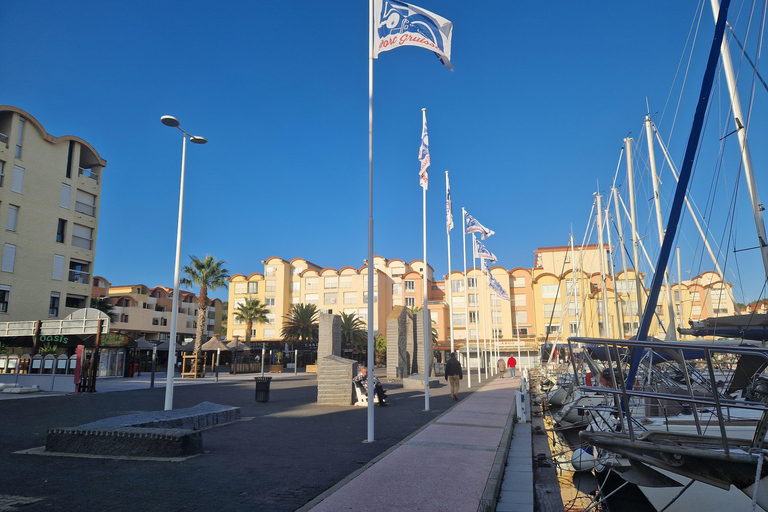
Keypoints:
(285, 455)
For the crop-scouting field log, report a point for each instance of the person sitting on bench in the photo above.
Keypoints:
(362, 379)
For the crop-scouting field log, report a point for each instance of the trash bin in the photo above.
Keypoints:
(262, 389)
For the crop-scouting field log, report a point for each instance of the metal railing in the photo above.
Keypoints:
(88, 173)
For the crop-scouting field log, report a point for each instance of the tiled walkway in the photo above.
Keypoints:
(453, 463)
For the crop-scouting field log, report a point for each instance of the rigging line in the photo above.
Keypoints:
(761, 34)
(746, 56)
(687, 486)
(690, 38)
(695, 25)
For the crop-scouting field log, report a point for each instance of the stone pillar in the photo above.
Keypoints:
(329, 336)
(421, 365)
(334, 373)
(399, 325)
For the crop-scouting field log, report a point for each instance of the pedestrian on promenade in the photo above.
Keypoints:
(453, 375)
(501, 366)
(511, 363)
(362, 379)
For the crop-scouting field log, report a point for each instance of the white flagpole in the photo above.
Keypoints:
(370, 222)
(466, 293)
(485, 318)
(427, 323)
(450, 292)
(477, 311)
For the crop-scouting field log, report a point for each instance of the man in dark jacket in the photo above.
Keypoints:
(453, 375)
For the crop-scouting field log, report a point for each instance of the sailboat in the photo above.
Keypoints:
(664, 459)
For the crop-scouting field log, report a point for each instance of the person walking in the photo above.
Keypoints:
(511, 363)
(501, 366)
(453, 375)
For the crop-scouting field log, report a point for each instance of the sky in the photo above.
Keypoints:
(530, 126)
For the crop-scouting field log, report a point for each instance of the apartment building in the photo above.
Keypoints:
(563, 294)
(50, 191)
(287, 283)
(140, 311)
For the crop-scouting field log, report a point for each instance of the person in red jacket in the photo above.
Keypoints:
(511, 363)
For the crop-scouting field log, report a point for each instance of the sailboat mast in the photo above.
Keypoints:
(746, 158)
(682, 186)
(632, 312)
(639, 286)
(601, 254)
(660, 224)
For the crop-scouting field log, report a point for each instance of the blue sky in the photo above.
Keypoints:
(529, 125)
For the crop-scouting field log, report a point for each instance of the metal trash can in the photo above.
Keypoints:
(262, 389)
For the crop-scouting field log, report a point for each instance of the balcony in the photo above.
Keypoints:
(88, 173)
(4, 139)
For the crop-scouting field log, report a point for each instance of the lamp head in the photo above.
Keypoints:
(170, 121)
(198, 140)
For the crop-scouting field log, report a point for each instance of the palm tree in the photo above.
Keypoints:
(414, 310)
(301, 323)
(207, 274)
(103, 305)
(380, 349)
(354, 332)
(250, 311)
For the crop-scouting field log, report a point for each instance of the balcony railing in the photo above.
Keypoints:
(4, 139)
(88, 173)
(78, 276)
(85, 208)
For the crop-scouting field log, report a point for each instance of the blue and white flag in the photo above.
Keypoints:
(399, 24)
(494, 285)
(475, 227)
(448, 207)
(483, 253)
(424, 154)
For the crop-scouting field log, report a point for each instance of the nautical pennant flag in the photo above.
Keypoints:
(400, 24)
(475, 227)
(448, 208)
(483, 253)
(424, 154)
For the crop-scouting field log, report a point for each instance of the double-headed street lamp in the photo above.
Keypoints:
(174, 123)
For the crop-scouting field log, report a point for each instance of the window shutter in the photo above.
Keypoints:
(58, 267)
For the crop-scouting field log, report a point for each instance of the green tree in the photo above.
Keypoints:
(301, 323)
(414, 311)
(380, 349)
(250, 311)
(208, 274)
(354, 332)
(103, 305)
(224, 318)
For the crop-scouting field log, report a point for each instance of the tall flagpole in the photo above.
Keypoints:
(448, 226)
(370, 222)
(485, 319)
(466, 293)
(427, 323)
(477, 310)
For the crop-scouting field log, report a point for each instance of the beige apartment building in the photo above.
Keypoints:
(50, 191)
(143, 312)
(562, 295)
(287, 283)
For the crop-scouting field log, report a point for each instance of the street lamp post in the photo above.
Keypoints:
(174, 123)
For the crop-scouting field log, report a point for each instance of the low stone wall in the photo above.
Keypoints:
(173, 433)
